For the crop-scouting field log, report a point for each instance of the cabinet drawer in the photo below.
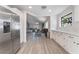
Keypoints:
(72, 44)
(67, 41)
(72, 47)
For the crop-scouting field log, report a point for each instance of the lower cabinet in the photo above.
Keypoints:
(68, 41)
(74, 44)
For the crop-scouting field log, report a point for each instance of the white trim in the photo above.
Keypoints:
(32, 14)
(7, 13)
(12, 9)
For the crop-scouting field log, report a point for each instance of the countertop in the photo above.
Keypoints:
(68, 32)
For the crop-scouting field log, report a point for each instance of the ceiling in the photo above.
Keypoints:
(32, 20)
(2, 9)
(36, 9)
(40, 12)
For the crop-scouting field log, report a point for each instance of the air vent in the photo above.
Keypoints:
(43, 7)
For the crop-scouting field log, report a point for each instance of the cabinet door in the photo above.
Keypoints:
(65, 39)
(71, 43)
(74, 44)
(60, 38)
(53, 35)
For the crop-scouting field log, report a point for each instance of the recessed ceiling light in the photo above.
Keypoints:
(30, 7)
(43, 7)
(50, 10)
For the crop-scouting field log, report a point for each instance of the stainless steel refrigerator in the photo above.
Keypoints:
(9, 33)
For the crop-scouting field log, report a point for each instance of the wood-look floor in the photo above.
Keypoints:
(41, 45)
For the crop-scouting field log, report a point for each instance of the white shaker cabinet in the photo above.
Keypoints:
(74, 44)
(68, 41)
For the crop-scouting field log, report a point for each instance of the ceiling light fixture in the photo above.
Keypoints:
(50, 10)
(30, 7)
(43, 7)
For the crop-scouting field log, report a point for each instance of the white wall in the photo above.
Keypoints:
(23, 27)
(76, 13)
(75, 19)
(53, 22)
(65, 12)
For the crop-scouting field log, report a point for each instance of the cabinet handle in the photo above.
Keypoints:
(77, 43)
(74, 42)
(71, 37)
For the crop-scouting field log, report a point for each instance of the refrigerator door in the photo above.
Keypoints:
(15, 33)
(5, 34)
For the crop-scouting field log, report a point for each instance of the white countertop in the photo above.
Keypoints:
(68, 32)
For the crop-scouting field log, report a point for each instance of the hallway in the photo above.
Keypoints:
(41, 45)
(22, 29)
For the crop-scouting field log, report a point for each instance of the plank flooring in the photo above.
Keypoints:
(41, 45)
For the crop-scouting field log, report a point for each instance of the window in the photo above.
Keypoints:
(66, 20)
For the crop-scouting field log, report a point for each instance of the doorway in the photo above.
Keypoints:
(47, 26)
(34, 27)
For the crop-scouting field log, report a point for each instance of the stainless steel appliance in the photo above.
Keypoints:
(9, 33)
(15, 32)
